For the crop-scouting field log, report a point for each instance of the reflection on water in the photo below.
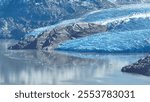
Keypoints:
(35, 67)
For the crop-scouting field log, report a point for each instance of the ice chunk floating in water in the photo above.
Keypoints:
(130, 41)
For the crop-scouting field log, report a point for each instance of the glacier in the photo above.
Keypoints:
(38, 31)
(110, 42)
(127, 21)
(128, 31)
(112, 17)
(122, 12)
(129, 24)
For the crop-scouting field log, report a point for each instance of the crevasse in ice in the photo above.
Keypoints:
(130, 24)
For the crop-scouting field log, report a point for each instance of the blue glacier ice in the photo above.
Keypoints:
(111, 17)
(115, 13)
(140, 21)
(130, 24)
(128, 31)
(39, 31)
(105, 16)
(123, 18)
(114, 42)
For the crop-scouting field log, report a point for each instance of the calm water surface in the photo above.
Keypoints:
(35, 67)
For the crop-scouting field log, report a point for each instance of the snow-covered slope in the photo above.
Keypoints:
(41, 30)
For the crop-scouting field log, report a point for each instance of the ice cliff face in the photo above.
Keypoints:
(111, 42)
(18, 17)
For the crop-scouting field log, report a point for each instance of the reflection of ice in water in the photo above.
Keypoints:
(31, 67)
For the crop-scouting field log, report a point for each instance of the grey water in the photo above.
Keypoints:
(31, 67)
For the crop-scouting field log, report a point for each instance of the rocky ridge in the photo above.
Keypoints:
(51, 38)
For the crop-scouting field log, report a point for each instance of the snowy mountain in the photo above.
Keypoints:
(18, 17)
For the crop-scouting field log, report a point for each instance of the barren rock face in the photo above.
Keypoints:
(140, 67)
(18, 17)
(51, 38)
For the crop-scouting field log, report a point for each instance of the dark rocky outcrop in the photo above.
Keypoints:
(18, 17)
(140, 67)
(51, 38)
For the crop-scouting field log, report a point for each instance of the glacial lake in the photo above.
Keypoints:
(31, 67)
